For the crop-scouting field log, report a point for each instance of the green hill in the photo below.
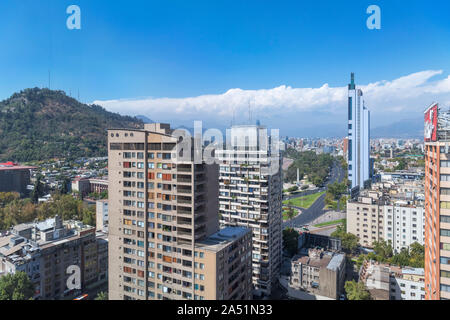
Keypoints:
(39, 124)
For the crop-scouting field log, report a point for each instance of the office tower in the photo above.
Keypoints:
(163, 223)
(358, 137)
(250, 196)
(437, 203)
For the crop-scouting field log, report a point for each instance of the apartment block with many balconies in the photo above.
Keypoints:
(250, 195)
(161, 208)
(437, 203)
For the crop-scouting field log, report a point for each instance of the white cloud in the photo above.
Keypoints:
(410, 93)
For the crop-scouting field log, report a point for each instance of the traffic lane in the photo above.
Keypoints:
(316, 209)
(309, 214)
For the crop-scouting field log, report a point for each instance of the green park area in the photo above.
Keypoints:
(305, 201)
(330, 223)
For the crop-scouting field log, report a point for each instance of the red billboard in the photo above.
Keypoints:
(431, 117)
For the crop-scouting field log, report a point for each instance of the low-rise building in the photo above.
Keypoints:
(102, 215)
(386, 282)
(15, 178)
(408, 284)
(45, 251)
(226, 257)
(319, 272)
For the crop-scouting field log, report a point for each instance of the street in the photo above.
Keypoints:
(316, 209)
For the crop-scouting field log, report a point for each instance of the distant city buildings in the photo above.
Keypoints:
(359, 169)
(15, 178)
(85, 186)
(389, 211)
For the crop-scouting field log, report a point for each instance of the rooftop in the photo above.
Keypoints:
(13, 166)
(222, 238)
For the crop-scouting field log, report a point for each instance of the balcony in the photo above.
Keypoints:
(184, 168)
(181, 210)
(184, 190)
(184, 179)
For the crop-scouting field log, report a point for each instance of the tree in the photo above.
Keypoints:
(349, 241)
(356, 291)
(38, 190)
(290, 213)
(383, 250)
(89, 217)
(290, 241)
(8, 197)
(16, 286)
(64, 189)
(417, 253)
(102, 296)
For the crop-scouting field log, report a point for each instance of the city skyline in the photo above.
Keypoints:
(191, 59)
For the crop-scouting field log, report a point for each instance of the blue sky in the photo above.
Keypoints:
(138, 50)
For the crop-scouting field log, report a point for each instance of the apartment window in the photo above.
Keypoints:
(445, 233)
(445, 260)
(445, 163)
(445, 274)
(445, 177)
(445, 219)
(350, 100)
(445, 204)
(445, 287)
(350, 149)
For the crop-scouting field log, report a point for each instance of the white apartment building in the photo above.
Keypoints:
(409, 284)
(404, 224)
(250, 192)
(101, 208)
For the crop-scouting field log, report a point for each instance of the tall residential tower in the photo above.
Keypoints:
(250, 189)
(358, 137)
(164, 235)
(437, 203)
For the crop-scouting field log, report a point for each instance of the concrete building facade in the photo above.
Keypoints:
(14, 177)
(319, 272)
(358, 137)
(250, 191)
(161, 206)
(46, 250)
(437, 203)
(365, 217)
(404, 224)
